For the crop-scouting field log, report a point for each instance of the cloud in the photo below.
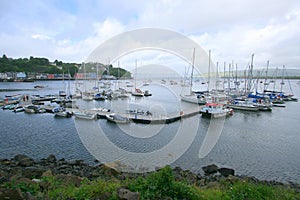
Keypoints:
(79, 51)
(69, 31)
(41, 37)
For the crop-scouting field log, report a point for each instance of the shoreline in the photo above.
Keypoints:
(23, 170)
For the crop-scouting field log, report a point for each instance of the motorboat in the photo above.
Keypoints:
(147, 93)
(99, 97)
(243, 105)
(65, 114)
(194, 98)
(34, 109)
(19, 109)
(137, 92)
(215, 110)
(85, 116)
(117, 118)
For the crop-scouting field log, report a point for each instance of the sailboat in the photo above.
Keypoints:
(192, 97)
(137, 92)
(62, 93)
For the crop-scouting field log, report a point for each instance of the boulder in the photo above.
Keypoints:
(23, 160)
(69, 179)
(51, 158)
(8, 193)
(109, 169)
(226, 171)
(20, 157)
(33, 172)
(125, 194)
(213, 185)
(76, 162)
(26, 162)
(210, 169)
(29, 196)
(47, 173)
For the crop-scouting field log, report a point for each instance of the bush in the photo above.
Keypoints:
(162, 184)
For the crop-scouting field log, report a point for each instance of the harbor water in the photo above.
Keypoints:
(260, 144)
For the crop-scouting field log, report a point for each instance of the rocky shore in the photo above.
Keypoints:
(22, 171)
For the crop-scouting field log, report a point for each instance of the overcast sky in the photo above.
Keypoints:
(234, 29)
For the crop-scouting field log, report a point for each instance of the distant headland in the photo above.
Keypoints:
(33, 68)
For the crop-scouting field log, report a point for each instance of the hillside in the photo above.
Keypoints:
(43, 65)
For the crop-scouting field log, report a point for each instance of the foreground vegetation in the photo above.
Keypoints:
(157, 185)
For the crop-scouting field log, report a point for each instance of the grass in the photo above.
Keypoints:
(157, 185)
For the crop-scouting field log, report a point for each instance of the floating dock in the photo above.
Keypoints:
(144, 119)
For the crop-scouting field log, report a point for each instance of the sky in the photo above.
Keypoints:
(233, 30)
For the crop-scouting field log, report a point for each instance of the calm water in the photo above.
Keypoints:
(263, 144)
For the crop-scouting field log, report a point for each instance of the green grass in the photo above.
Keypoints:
(157, 185)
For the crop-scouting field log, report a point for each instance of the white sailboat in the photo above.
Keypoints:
(192, 97)
(137, 92)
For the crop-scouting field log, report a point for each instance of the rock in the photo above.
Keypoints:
(69, 179)
(29, 196)
(125, 194)
(26, 162)
(20, 157)
(226, 171)
(5, 162)
(33, 172)
(213, 185)
(8, 193)
(232, 179)
(51, 158)
(26, 181)
(210, 169)
(23, 160)
(47, 173)
(109, 169)
(76, 162)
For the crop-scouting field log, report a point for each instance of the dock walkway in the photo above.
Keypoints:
(145, 119)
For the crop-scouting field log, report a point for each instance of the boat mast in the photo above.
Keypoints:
(266, 78)
(135, 74)
(69, 90)
(274, 86)
(282, 79)
(250, 76)
(97, 75)
(118, 74)
(84, 77)
(208, 81)
(224, 78)
(236, 81)
(228, 76)
(217, 81)
(192, 74)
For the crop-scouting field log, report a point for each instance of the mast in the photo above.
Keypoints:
(84, 77)
(208, 81)
(69, 90)
(229, 78)
(250, 76)
(224, 76)
(217, 81)
(135, 74)
(275, 79)
(192, 74)
(282, 79)
(118, 74)
(236, 81)
(266, 78)
(232, 71)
